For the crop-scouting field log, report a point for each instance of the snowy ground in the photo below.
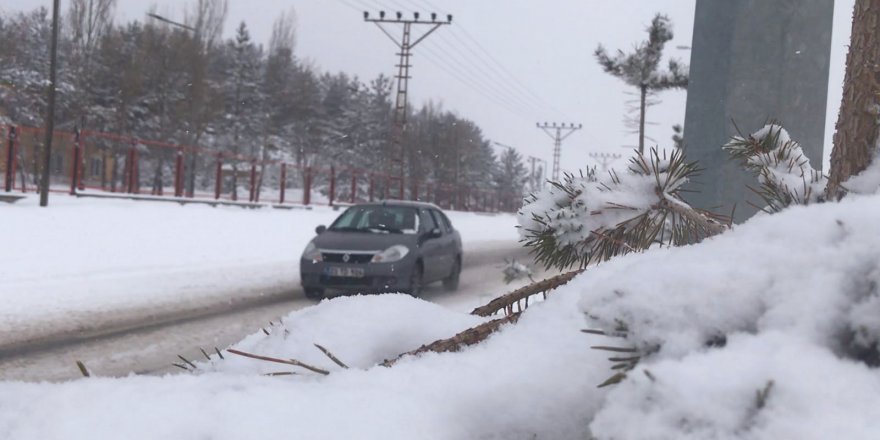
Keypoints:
(769, 331)
(86, 264)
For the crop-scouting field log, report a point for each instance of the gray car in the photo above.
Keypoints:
(392, 246)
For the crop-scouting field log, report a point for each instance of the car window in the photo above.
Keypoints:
(443, 219)
(377, 219)
(427, 221)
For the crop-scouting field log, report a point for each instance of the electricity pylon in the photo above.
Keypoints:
(558, 137)
(405, 45)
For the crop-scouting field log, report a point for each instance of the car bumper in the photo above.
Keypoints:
(377, 277)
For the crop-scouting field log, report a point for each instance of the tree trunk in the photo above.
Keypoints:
(855, 138)
(644, 95)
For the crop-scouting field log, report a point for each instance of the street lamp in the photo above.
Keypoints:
(171, 22)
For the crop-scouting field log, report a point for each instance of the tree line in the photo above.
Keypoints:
(188, 85)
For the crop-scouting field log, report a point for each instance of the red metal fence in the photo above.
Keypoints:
(89, 161)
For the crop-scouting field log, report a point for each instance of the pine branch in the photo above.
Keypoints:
(507, 301)
(470, 336)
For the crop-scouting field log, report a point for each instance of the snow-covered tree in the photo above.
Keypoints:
(245, 118)
(511, 177)
(641, 68)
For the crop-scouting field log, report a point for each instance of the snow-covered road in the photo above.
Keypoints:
(152, 347)
(85, 272)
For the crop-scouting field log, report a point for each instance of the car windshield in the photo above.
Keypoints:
(378, 219)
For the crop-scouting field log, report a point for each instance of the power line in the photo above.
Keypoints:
(481, 59)
(476, 88)
(467, 67)
(472, 82)
(513, 92)
(497, 90)
(488, 54)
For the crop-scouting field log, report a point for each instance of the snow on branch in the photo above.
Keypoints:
(588, 218)
(784, 172)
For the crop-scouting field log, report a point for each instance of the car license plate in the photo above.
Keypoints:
(347, 272)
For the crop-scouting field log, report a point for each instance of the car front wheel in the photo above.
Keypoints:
(450, 283)
(416, 281)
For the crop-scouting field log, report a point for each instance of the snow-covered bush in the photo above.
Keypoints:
(784, 172)
(590, 218)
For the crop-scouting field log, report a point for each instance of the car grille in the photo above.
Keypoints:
(339, 257)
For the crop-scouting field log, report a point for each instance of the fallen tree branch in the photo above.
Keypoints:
(507, 301)
(470, 336)
(293, 362)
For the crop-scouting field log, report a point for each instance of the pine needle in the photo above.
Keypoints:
(83, 369)
(281, 373)
(331, 356)
(613, 380)
(187, 362)
(615, 349)
(293, 362)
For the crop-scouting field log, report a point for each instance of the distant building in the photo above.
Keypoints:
(754, 61)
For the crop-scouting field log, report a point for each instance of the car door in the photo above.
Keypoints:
(431, 247)
(448, 245)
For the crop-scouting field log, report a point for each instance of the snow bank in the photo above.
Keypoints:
(362, 331)
(790, 298)
(527, 382)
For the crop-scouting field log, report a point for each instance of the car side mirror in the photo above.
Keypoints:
(320, 229)
(435, 233)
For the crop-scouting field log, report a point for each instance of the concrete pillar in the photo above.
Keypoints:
(754, 61)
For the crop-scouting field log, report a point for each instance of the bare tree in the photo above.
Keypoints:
(856, 136)
(88, 22)
(283, 33)
(207, 17)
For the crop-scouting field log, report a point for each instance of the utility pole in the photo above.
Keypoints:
(50, 116)
(557, 135)
(537, 180)
(605, 159)
(405, 45)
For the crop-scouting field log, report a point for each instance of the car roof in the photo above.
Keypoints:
(407, 203)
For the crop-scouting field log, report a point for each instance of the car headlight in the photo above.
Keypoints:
(312, 253)
(392, 254)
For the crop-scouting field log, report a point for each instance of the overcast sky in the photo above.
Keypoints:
(504, 64)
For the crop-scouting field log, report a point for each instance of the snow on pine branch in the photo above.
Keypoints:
(770, 331)
(784, 171)
(591, 218)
